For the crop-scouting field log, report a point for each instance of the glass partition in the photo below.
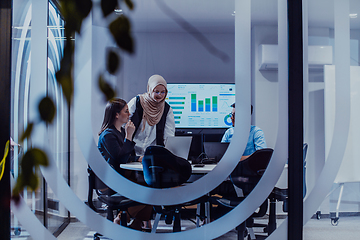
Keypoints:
(20, 85)
(331, 39)
(42, 202)
(239, 42)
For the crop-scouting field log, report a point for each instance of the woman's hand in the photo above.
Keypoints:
(140, 159)
(129, 130)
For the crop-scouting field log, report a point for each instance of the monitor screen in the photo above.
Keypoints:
(205, 105)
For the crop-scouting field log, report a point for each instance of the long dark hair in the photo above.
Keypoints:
(114, 106)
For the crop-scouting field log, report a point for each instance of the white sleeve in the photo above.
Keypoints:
(169, 130)
(132, 106)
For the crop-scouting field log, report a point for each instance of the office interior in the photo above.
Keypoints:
(164, 47)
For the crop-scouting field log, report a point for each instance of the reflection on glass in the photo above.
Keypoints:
(21, 40)
(58, 131)
(52, 214)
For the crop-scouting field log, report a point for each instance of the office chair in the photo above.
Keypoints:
(105, 195)
(246, 175)
(281, 195)
(163, 169)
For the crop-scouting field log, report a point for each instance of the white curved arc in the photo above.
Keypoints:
(198, 188)
(281, 145)
(86, 215)
(148, 195)
(29, 221)
(342, 110)
(338, 144)
(102, 225)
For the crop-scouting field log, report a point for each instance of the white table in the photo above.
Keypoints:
(137, 166)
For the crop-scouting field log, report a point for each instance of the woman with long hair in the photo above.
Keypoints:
(115, 145)
(115, 141)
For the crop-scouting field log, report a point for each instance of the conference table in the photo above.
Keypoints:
(196, 168)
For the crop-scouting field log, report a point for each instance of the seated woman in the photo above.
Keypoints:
(115, 145)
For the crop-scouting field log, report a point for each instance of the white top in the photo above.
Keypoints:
(146, 138)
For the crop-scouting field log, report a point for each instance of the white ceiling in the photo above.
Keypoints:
(217, 14)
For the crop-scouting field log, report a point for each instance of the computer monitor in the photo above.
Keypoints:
(203, 105)
(215, 150)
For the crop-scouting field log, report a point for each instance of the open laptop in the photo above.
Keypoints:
(215, 150)
(179, 146)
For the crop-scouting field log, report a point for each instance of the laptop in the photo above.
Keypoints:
(215, 150)
(179, 146)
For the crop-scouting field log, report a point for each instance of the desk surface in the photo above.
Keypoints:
(137, 166)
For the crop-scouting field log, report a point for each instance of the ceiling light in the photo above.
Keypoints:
(353, 15)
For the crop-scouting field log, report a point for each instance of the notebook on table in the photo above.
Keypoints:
(215, 150)
(179, 146)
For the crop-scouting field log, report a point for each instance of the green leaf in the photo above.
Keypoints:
(106, 89)
(19, 186)
(83, 7)
(130, 4)
(74, 12)
(108, 6)
(33, 158)
(16, 196)
(73, 19)
(47, 109)
(113, 62)
(120, 29)
(30, 162)
(27, 132)
(31, 181)
(67, 85)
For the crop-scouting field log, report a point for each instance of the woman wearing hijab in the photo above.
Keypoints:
(151, 115)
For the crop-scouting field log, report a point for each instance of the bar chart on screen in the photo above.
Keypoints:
(201, 105)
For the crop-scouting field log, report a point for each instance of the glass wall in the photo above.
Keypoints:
(20, 85)
(239, 42)
(331, 47)
(42, 202)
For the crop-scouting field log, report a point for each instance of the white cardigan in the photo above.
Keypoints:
(146, 138)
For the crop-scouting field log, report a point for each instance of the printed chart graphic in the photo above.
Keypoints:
(201, 105)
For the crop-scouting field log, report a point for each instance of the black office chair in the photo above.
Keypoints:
(163, 169)
(246, 176)
(106, 196)
(281, 195)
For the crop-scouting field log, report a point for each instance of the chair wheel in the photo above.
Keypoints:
(318, 215)
(97, 236)
(17, 231)
(334, 221)
(246, 233)
(168, 219)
